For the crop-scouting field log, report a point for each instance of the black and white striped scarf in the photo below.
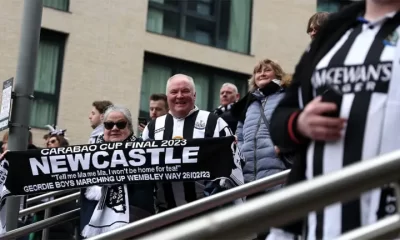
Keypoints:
(221, 109)
(112, 210)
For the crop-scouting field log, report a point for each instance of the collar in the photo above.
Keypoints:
(195, 109)
(375, 22)
(97, 131)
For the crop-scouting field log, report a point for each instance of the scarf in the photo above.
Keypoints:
(112, 210)
(221, 109)
(3, 194)
(94, 192)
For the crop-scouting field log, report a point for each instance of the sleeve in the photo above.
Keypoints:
(239, 134)
(283, 121)
(222, 129)
(284, 133)
(145, 134)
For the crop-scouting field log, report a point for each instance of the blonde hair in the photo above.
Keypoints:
(278, 70)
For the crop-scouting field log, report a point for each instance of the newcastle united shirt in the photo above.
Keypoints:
(359, 67)
(198, 124)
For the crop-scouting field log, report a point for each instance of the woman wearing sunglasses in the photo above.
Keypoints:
(139, 196)
(55, 141)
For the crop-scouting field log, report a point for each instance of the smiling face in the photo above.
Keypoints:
(181, 96)
(264, 75)
(116, 127)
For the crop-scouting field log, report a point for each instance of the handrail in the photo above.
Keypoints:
(46, 195)
(49, 204)
(387, 228)
(265, 211)
(23, 231)
(193, 208)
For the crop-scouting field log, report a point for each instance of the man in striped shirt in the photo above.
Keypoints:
(183, 121)
(341, 108)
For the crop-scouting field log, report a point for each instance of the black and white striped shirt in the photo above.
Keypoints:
(198, 124)
(360, 67)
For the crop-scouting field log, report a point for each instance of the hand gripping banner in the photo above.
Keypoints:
(80, 166)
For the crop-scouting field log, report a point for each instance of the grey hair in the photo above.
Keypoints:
(125, 111)
(231, 85)
(189, 78)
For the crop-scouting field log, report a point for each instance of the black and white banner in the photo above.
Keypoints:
(81, 166)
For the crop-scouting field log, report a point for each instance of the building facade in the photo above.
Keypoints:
(124, 50)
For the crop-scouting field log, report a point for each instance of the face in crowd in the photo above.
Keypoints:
(264, 75)
(95, 117)
(157, 108)
(116, 127)
(315, 22)
(181, 95)
(52, 142)
(228, 95)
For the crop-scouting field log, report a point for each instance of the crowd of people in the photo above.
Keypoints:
(245, 117)
(338, 108)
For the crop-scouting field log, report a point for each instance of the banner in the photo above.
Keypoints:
(80, 166)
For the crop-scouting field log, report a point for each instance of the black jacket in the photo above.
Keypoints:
(335, 27)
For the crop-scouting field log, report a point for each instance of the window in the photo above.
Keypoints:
(48, 78)
(332, 5)
(157, 69)
(62, 5)
(218, 23)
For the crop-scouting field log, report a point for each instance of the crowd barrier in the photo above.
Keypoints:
(294, 202)
(150, 223)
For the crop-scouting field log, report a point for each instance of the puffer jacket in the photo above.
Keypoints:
(254, 138)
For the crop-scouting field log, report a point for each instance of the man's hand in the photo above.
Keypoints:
(141, 127)
(312, 124)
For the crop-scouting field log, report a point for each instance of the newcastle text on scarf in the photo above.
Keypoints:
(81, 166)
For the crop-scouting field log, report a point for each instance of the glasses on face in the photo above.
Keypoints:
(52, 141)
(110, 125)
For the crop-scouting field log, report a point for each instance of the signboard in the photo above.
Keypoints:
(6, 103)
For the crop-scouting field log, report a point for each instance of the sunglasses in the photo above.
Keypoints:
(110, 125)
(53, 141)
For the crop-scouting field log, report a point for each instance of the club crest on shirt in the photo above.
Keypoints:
(391, 39)
(200, 125)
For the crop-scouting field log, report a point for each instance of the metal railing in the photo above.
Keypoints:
(149, 223)
(34, 227)
(193, 208)
(387, 228)
(49, 204)
(39, 198)
(266, 211)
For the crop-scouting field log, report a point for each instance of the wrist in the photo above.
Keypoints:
(293, 129)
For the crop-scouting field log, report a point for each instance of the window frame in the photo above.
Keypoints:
(177, 65)
(60, 39)
(58, 9)
(341, 4)
(183, 12)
